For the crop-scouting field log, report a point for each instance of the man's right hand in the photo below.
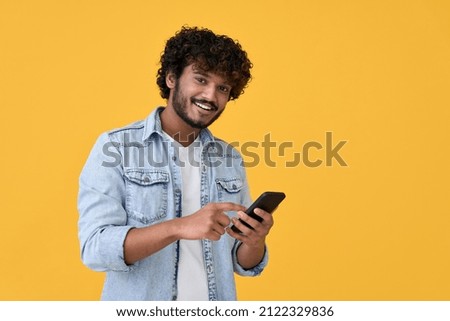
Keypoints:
(207, 223)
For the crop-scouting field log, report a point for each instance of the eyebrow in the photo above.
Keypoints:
(201, 72)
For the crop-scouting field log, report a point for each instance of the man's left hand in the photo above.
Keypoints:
(257, 235)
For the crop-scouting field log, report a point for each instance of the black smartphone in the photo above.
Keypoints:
(267, 201)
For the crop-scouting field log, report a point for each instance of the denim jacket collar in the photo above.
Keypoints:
(153, 126)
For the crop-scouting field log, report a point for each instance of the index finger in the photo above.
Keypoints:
(267, 218)
(229, 206)
(261, 213)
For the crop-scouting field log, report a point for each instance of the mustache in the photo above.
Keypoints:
(205, 102)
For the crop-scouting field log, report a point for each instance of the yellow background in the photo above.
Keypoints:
(375, 73)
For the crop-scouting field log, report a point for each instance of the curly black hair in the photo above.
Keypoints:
(210, 52)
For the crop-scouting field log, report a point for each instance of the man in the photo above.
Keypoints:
(157, 198)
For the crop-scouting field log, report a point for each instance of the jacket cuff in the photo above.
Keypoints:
(254, 271)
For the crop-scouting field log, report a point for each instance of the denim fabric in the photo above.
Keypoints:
(132, 179)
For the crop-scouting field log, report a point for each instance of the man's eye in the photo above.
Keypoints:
(201, 80)
(224, 89)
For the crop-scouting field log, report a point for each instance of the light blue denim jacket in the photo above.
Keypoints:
(132, 179)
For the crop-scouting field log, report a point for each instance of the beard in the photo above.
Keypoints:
(180, 105)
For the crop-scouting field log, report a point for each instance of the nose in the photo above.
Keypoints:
(209, 92)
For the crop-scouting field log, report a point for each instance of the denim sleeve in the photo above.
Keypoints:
(256, 270)
(102, 218)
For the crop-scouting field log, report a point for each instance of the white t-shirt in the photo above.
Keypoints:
(191, 280)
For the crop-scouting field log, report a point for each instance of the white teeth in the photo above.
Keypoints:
(202, 106)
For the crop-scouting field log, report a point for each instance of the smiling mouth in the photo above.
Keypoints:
(204, 106)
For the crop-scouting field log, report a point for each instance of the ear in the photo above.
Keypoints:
(171, 80)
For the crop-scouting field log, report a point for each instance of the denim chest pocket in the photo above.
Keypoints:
(146, 200)
(228, 189)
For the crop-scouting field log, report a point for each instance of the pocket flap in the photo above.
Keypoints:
(232, 185)
(146, 177)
